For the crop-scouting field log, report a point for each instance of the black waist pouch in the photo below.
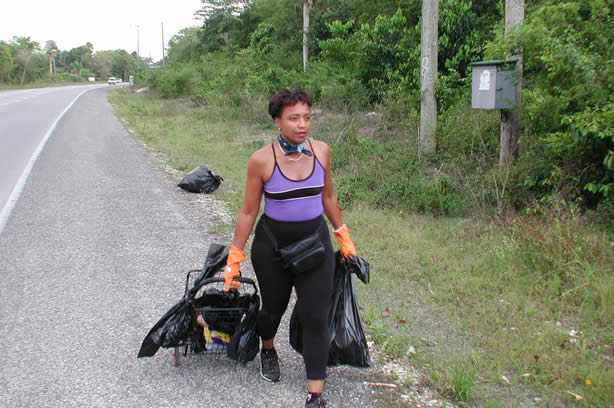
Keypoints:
(300, 256)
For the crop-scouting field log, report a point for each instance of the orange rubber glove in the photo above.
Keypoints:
(233, 267)
(345, 243)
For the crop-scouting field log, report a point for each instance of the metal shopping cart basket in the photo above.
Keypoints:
(221, 316)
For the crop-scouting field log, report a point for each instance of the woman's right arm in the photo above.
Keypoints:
(251, 200)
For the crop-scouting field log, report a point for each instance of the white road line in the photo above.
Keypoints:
(17, 190)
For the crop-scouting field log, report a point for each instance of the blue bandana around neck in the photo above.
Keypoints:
(293, 148)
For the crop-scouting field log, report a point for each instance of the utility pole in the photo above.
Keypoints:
(162, 26)
(307, 4)
(138, 58)
(510, 119)
(428, 76)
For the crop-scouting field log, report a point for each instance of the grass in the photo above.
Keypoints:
(494, 311)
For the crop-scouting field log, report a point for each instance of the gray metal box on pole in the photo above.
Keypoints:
(493, 85)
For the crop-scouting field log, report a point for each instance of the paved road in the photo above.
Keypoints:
(27, 118)
(93, 253)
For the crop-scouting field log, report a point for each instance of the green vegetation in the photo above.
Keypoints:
(496, 282)
(23, 63)
(365, 57)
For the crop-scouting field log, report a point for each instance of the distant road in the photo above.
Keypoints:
(27, 118)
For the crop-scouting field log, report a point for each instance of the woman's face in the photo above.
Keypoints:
(294, 122)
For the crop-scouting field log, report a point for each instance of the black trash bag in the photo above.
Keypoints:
(213, 299)
(214, 262)
(175, 326)
(179, 326)
(197, 339)
(348, 342)
(245, 342)
(200, 180)
(358, 266)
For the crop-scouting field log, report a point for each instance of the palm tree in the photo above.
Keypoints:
(51, 49)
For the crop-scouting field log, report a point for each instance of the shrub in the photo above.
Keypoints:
(568, 92)
(176, 81)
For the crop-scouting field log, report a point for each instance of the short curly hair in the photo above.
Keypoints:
(286, 97)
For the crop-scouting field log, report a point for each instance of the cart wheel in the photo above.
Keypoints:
(179, 354)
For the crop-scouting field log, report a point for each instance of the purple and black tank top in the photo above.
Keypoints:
(294, 200)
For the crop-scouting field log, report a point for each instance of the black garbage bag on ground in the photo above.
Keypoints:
(348, 342)
(200, 180)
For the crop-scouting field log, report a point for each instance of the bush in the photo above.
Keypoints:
(66, 77)
(175, 81)
(334, 88)
(388, 174)
(568, 93)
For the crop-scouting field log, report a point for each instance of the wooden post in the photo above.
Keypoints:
(510, 119)
(428, 76)
(138, 49)
(162, 30)
(306, 7)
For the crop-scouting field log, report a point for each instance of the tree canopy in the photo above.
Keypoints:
(23, 60)
(364, 55)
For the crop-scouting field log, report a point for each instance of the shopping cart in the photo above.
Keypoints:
(218, 313)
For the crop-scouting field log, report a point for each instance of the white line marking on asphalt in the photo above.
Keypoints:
(17, 190)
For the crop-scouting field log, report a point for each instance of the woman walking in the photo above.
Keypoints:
(293, 174)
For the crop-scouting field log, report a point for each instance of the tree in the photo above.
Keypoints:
(567, 95)
(63, 60)
(185, 45)
(102, 62)
(6, 61)
(83, 55)
(212, 7)
(218, 18)
(122, 64)
(50, 50)
(26, 49)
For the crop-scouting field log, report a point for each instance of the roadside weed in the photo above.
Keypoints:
(460, 382)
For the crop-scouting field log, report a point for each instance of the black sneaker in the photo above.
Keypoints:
(315, 401)
(269, 365)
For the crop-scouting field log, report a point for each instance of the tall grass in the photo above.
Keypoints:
(495, 311)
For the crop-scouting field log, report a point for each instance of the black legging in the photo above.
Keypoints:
(313, 289)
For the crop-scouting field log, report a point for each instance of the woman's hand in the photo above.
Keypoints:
(233, 267)
(345, 243)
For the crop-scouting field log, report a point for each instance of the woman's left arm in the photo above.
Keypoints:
(329, 198)
(331, 206)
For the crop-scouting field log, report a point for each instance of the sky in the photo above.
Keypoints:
(108, 25)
